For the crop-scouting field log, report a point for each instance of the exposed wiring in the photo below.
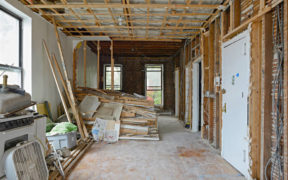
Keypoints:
(276, 160)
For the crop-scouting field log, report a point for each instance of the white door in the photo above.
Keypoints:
(176, 93)
(187, 87)
(195, 96)
(235, 81)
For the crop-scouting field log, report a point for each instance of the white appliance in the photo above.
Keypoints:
(26, 162)
(22, 141)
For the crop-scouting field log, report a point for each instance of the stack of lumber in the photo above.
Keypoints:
(69, 162)
(138, 116)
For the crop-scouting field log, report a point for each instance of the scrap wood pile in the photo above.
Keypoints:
(137, 117)
(62, 166)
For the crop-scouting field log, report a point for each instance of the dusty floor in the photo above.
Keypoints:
(179, 155)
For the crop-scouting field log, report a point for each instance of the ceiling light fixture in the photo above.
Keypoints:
(120, 20)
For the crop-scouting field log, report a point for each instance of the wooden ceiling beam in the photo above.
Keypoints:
(147, 39)
(131, 21)
(181, 18)
(164, 21)
(124, 27)
(139, 36)
(113, 31)
(74, 14)
(112, 16)
(55, 11)
(127, 18)
(148, 18)
(118, 5)
(212, 17)
(89, 10)
(131, 14)
(48, 18)
(142, 44)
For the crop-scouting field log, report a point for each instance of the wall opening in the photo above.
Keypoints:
(154, 83)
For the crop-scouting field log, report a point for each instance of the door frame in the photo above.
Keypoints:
(177, 88)
(196, 106)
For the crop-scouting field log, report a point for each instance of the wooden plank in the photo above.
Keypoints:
(266, 98)
(98, 64)
(124, 131)
(139, 137)
(138, 14)
(255, 97)
(224, 23)
(135, 27)
(211, 81)
(71, 101)
(127, 114)
(85, 64)
(262, 4)
(112, 67)
(138, 119)
(235, 14)
(217, 73)
(205, 70)
(56, 81)
(75, 62)
(244, 25)
(119, 5)
(74, 69)
(81, 126)
(70, 162)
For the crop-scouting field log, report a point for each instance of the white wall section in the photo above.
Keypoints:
(38, 79)
(91, 68)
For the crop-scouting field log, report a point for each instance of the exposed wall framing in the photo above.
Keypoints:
(235, 18)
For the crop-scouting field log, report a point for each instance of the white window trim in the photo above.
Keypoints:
(162, 81)
(104, 72)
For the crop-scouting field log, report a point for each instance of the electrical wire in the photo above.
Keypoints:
(276, 159)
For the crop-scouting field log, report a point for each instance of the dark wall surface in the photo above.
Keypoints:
(133, 80)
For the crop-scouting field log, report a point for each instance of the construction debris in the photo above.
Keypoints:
(137, 115)
(68, 163)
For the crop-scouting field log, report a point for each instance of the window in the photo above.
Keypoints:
(154, 81)
(117, 77)
(10, 46)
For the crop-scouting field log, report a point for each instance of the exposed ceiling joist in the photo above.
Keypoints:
(134, 20)
(118, 5)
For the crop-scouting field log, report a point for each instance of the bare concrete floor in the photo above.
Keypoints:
(179, 155)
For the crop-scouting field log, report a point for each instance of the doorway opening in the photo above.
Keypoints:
(154, 83)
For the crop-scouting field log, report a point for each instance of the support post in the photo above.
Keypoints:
(85, 63)
(266, 98)
(211, 81)
(235, 14)
(112, 67)
(75, 64)
(205, 80)
(98, 64)
(224, 23)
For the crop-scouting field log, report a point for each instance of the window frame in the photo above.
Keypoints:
(121, 74)
(13, 68)
(162, 81)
